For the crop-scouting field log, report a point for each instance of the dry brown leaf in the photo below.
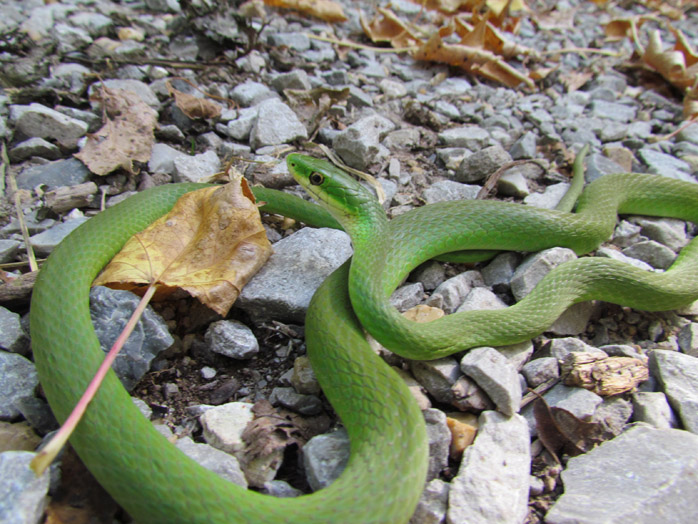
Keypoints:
(670, 63)
(690, 103)
(475, 60)
(127, 134)
(387, 27)
(325, 9)
(562, 432)
(210, 245)
(195, 107)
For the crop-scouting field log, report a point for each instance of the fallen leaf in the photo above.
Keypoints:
(277, 428)
(195, 107)
(387, 27)
(463, 428)
(127, 134)
(210, 245)
(324, 9)
(562, 432)
(473, 59)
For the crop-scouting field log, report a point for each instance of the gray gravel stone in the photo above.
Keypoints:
(433, 503)
(445, 190)
(44, 243)
(296, 41)
(18, 379)
(613, 111)
(580, 402)
(524, 147)
(251, 93)
(430, 274)
(661, 464)
(469, 137)
(652, 407)
(540, 370)
(197, 168)
(559, 348)
(325, 457)
(450, 294)
(535, 267)
(481, 298)
(359, 144)
(276, 124)
(162, 159)
(12, 336)
(232, 339)
(653, 253)
(36, 120)
(549, 198)
(22, 494)
(407, 296)
(495, 375)
(688, 339)
(617, 255)
(223, 425)
(110, 310)
(282, 289)
(296, 79)
(493, 480)
(482, 163)
(142, 89)
(439, 441)
(678, 376)
(599, 165)
(501, 269)
(513, 184)
(34, 147)
(668, 231)
(663, 164)
(290, 399)
(223, 464)
(437, 376)
(8, 250)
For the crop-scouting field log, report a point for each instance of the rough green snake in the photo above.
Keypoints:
(385, 476)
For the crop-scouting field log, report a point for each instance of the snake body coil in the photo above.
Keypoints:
(155, 482)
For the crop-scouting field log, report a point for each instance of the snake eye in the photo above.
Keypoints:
(316, 178)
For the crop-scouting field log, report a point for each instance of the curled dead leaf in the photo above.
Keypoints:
(210, 244)
(324, 9)
(387, 27)
(195, 107)
(127, 134)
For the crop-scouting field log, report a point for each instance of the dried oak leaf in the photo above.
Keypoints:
(324, 9)
(210, 244)
(195, 107)
(127, 134)
(562, 432)
(473, 59)
(274, 429)
(671, 63)
(387, 27)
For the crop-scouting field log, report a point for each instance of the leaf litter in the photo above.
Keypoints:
(210, 244)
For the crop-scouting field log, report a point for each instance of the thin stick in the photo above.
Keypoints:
(44, 458)
(33, 266)
(356, 45)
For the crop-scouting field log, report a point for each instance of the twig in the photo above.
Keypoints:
(44, 458)
(492, 180)
(33, 266)
(356, 45)
(582, 50)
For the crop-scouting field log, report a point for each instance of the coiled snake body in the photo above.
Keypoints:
(385, 476)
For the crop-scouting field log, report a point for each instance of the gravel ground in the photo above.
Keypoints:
(263, 85)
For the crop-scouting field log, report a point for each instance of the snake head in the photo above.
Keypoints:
(334, 189)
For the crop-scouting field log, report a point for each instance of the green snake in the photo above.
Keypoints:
(385, 475)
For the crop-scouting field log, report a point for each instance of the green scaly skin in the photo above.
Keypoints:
(155, 482)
